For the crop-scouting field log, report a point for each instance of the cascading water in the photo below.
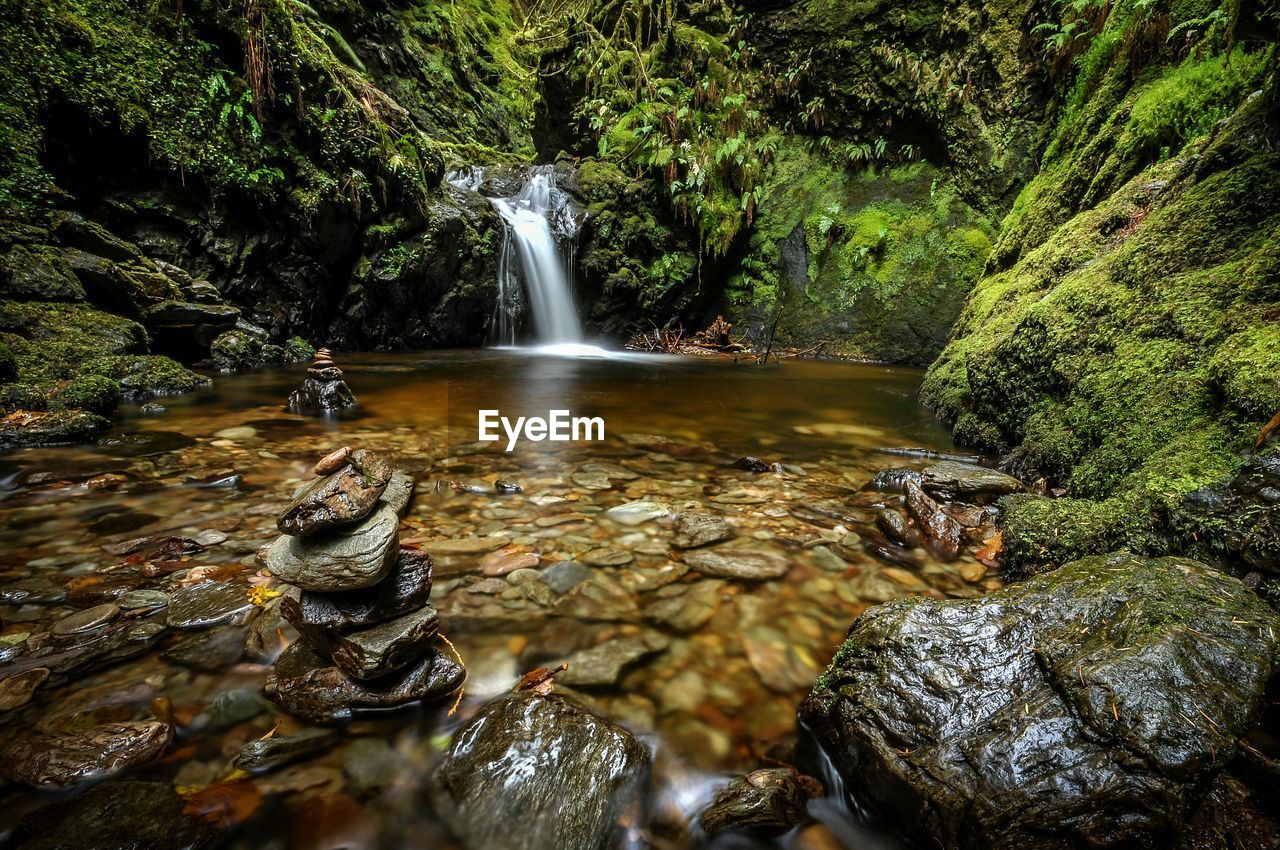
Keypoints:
(536, 260)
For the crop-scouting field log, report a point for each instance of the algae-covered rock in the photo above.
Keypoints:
(28, 428)
(588, 771)
(94, 393)
(1088, 706)
(37, 273)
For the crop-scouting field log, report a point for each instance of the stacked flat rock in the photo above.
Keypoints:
(367, 630)
(324, 390)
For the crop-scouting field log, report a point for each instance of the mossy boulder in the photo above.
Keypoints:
(8, 364)
(235, 350)
(298, 350)
(1086, 707)
(15, 397)
(146, 376)
(37, 273)
(65, 427)
(52, 342)
(94, 393)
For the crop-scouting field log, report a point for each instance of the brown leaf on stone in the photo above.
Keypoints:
(540, 681)
(1268, 430)
(990, 550)
(225, 804)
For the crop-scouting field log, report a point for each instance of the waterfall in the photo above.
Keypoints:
(537, 257)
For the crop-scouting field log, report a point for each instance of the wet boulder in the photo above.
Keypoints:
(955, 480)
(1085, 707)
(943, 534)
(692, 530)
(530, 772)
(306, 685)
(57, 428)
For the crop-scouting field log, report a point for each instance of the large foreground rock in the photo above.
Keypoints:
(539, 773)
(1086, 707)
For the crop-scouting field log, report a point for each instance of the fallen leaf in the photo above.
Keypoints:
(991, 549)
(1268, 430)
(225, 804)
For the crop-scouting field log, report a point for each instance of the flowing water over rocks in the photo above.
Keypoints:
(625, 558)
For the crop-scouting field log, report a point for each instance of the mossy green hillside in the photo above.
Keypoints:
(1124, 344)
(874, 262)
(267, 98)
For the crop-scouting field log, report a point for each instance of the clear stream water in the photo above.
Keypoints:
(736, 659)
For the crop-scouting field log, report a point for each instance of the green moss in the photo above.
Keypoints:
(51, 342)
(94, 393)
(8, 364)
(876, 265)
(1121, 345)
(297, 349)
(142, 377)
(22, 397)
(234, 350)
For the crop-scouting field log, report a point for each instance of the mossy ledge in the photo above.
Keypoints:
(1123, 344)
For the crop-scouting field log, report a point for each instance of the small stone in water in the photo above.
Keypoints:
(699, 529)
(635, 513)
(211, 651)
(751, 464)
(143, 599)
(206, 604)
(603, 664)
(18, 689)
(741, 565)
(209, 537)
(266, 754)
(565, 576)
(64, 759)
(607, 557)
(765, 802)
(502, 562)
(86, 620)
(35, 590)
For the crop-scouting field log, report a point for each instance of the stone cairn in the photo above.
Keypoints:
(367, 632)
(324, 390)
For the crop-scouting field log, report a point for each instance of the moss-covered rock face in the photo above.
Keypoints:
(873, 265)
(1124, 343)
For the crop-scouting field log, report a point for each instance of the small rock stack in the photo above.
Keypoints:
(323, 391)
(368, 633)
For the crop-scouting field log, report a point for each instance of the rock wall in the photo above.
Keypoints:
(1123, 341)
